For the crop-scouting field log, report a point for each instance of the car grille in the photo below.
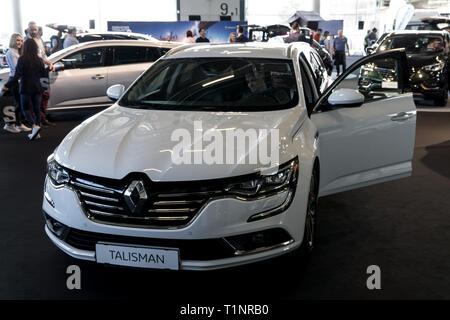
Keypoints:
(209, 249)
(168, 205)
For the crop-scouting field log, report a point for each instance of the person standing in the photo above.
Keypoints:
(318, 35)
(202, 37)
(12, 56)
(33, 32)
(71, 38)
(295, 34)
(338, 47)
(240, 36)
(189, 37)
(366, 40)
(373, 35)
(30, 70)
(56, 42)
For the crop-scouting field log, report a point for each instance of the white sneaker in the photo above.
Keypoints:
(34, 132)
(23, 128)
(11, 128)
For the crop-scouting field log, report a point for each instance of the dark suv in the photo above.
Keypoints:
(428, 58)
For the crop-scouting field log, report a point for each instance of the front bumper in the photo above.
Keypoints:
(428, 83)
(185, 264)
(220, 219)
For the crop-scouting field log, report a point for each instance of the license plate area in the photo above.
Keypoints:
(137, 256)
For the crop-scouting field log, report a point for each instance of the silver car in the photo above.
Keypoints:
(86, 70)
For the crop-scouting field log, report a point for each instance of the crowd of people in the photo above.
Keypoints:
(235, 37)
(336, 46)
(29, 67)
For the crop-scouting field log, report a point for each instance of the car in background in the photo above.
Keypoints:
(96, 36)
(85, 71)
(324, 55)
(114, 194)
(3, 63)
(91, 36)
(373, 46)
(428, 55)
(436, 23)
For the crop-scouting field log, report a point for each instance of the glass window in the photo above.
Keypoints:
(89, 58)
(218, 84)
(376, 80)
(131, 54)
(156, 53)
(414, 44)
(318, 69)
(307, 89)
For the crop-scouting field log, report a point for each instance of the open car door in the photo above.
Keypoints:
(366, 122)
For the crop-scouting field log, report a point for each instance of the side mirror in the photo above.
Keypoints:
(59, 66)
(346, 97)
(115, 92)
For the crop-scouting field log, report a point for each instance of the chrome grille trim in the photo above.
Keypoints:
(94, 196)
(177, 202)
(94, 188)
(175, 210)
(103, 206)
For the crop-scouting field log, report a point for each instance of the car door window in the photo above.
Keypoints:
(376, 80)
(318, 69)
(156, 53)
(89, 58)
(307, 90)
(131, 54)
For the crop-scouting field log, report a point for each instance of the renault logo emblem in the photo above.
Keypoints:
(135, 196)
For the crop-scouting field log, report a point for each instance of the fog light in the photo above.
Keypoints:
(259, 241)
(59, 229)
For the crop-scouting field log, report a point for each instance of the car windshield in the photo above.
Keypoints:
(414, 44)
(217, 84)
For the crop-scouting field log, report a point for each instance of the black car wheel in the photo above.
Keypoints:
(442, 98)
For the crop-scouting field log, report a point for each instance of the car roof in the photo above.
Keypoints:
(110, 43)
(419, 32)
(241, 50)
(141, 43)
(119, 33)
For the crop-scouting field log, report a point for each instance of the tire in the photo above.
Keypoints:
(442, 99)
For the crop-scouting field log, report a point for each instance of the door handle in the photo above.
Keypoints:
(403, 116)
(98, 77)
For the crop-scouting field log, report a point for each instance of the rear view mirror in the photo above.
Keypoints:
(346, 97)
(115, 92)
(59, 66)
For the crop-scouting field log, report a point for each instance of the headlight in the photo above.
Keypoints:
(434, 67)
(260, 185)
(57, 174)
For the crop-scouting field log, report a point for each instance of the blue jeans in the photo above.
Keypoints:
(33, 99)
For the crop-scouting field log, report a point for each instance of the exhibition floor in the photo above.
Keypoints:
(401, 226)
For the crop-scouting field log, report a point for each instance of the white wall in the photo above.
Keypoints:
(79, 13)
(266, 12)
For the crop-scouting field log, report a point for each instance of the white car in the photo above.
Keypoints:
(123, 188)
(86, 70)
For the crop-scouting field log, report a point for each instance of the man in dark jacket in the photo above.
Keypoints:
(241, 37)
(202, 37)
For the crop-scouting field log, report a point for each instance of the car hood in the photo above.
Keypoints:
(119, 141)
